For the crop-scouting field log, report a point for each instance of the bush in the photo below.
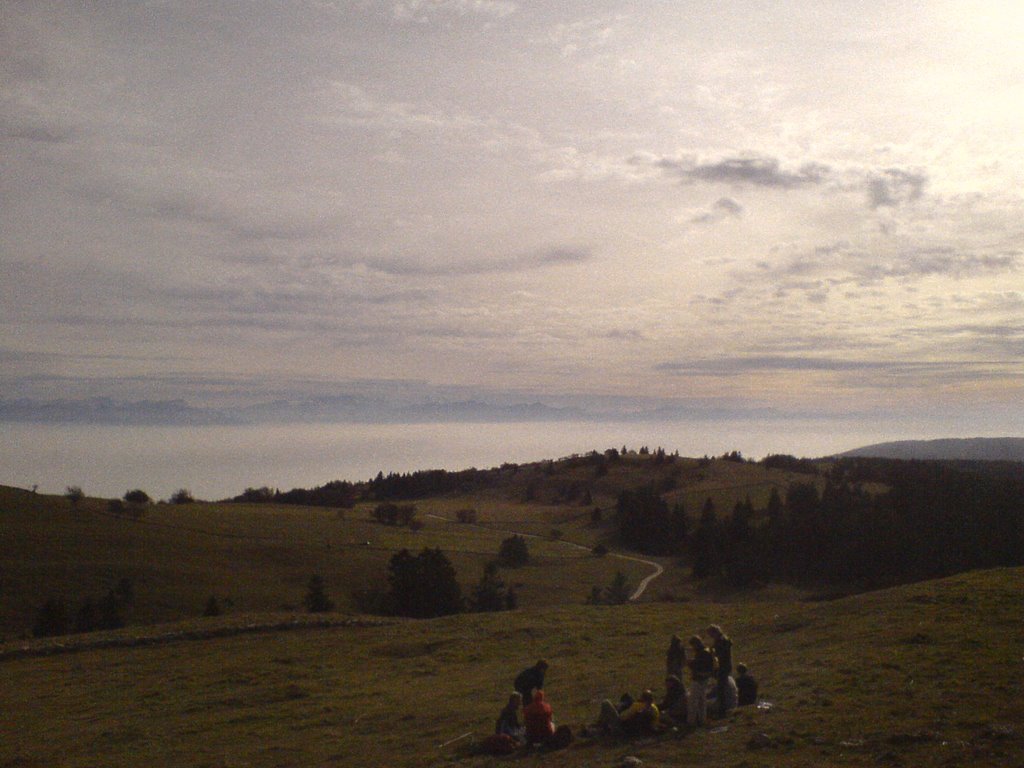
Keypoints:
(466, 515)
(182, 496)
(615, 593)
(137, 496)
(513, 552)
(389, 513)
(74, 494)
(600, 550)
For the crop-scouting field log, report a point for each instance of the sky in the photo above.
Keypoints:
(725, 209)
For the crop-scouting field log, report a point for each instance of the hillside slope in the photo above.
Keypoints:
(925, 675)
(259, 557)
(951, 449)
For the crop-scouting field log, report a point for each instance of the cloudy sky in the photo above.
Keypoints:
(808, 207)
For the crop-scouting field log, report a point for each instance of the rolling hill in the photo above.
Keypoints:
(925, 674)
(949, 449)
(258, 557)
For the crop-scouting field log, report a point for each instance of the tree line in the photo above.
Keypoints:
(931, 519)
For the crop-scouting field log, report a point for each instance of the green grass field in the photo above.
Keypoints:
(922, 675)
(260, 557)
(257, 557)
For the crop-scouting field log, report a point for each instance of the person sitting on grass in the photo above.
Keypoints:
(746, 687)
(673, 706)
(728, 698)
(642, 717)
(537, 716)
(508, 721)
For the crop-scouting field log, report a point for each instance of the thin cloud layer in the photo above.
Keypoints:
(513, 202)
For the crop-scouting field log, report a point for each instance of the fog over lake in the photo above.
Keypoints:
(220, 461)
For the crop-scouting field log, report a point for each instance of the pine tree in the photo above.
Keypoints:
(489, 593)
(52, 618)
(212, 607)
(316, 600)
(618, 591)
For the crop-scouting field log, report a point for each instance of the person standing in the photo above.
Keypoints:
(675, 657)
(702, 667)
(530, 679)
(723, 652)
(673, 706)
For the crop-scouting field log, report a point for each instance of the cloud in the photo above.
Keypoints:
(728, 366)
(515, 263)
(884, 187)
(749, 170)
(821, 269)
(723, 208)
(858, 371)
(424, 11)
(892, 187)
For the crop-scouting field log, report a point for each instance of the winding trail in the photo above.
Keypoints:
(644, 583)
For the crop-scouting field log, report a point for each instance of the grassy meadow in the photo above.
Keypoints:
(927, 674)
(259, 557)
(922, 675)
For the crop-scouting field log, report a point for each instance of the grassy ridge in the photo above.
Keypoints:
(924, 675)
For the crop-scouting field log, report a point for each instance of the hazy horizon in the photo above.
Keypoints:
(370, 211)
(220, 461)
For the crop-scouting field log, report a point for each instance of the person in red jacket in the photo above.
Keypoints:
(537, 719)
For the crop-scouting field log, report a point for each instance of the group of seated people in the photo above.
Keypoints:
(712, 686)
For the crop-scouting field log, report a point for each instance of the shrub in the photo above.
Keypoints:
(74, 494)
(615, 593)
(466, 515)
(137, 496)
(513, 552)
(389, 513)
(182, 496)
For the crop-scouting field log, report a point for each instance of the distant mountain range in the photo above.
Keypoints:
(950, 449)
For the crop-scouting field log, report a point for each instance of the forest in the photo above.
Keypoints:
(865, 523)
